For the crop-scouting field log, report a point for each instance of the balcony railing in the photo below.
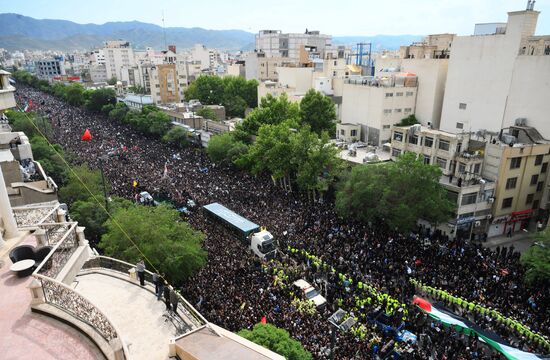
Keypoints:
(32, 216)
(110, 264)
(60, 254)
(76, 305)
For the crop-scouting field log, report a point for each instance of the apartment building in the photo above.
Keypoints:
(293, 46)
(259, 66)
(498, 75)
(429, 60)
(48, 68)
(118, 54)
(461, 162)
(208, 58)
(518, 160)
(376, 103)
(164, 84)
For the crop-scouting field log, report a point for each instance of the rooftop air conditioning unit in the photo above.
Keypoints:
(521, 122)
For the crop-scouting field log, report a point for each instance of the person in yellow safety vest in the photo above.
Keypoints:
(360, 285)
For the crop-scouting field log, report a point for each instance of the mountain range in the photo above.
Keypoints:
(19, 32)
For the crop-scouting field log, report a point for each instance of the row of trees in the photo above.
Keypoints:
(74, 94)
(233, 92)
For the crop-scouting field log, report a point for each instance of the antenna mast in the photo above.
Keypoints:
(164, 29)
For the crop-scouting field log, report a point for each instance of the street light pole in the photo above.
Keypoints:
(332, 342)
(103, 182)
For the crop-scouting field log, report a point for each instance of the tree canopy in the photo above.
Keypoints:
(96, 99)
(277, 340)
(172, 247)
(408, 121)
(537, 260)
(397, 194)
(207, 113)
(318, 111)
(50, 159)
(177, 136)
(225, 148)
(80, 182)
(233, 92)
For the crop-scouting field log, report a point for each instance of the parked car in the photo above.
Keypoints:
(311, 293)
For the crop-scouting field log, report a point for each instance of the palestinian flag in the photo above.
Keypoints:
(438, 312)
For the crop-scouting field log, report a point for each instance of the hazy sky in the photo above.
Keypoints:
(352, 17)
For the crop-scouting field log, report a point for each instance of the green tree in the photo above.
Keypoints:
(272, 111)
(207, 113)
(106, 109)
(408, 121)
(209, 90)
(29, 123)
(91, 214)
(50, 158)
(318, 111)
(225, 149)
(396, 194)
(100, 97)
(81, 181)
(137, 89)
(277, 340)
(172, 247)
(74, 94)
(157, 123)
(177, 136)
(112, 81)
(119, 111)
(537, 260)
(59, 89)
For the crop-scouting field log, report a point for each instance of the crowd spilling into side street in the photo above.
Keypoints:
(365, 270)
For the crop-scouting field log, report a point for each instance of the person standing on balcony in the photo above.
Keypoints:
(167, 295)
(156, 281)
(140, 268)
(174, 300)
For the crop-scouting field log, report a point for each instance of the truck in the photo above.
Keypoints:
(260, 241)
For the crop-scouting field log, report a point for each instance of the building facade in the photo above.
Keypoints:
(164, 84)
(292, 46)
(48, 68)
(118, 54)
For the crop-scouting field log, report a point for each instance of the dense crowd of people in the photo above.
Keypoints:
(235, 290)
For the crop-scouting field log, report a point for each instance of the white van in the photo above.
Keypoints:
(310, 292)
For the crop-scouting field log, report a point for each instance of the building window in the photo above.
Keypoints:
(442, 163)
(387, 111)
(540, 186)
(462, 106)
(427, 159)
(353, 132)
(511, 183)
(408, 110)
(413, 139)
(534, 179)
(477, 168)
(507, 203)
(461, 168)
(459, 125)
(538, 160)
(410, 93)
(529, 199)
(386, 127)
(544, 168)
(398, 110)
(428, 141)
(398, 94)
(395, 152)
(398, 136)
(342, 132)
(389, 95)
(468, 199)
(444, 145)
(515, 163)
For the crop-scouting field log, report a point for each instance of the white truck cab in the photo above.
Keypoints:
(263, 245)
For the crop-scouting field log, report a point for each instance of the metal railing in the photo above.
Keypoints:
(54, 232)
(32, 216)
(111, 264)
(56, 260)
(73, 303)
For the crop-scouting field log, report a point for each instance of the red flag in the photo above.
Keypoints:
(30, 104)
(264, 320)
(87, 136)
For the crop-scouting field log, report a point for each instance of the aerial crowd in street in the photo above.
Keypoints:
(236, 290)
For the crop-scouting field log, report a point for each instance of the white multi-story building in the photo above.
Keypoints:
(207, 57)
(292, 46)
(118, 54)
(499, 75)
(377, 103)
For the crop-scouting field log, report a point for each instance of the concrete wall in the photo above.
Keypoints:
(530, 93)
(298, 78)
(480, 74)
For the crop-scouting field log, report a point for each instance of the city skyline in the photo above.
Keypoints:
(391, 17)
